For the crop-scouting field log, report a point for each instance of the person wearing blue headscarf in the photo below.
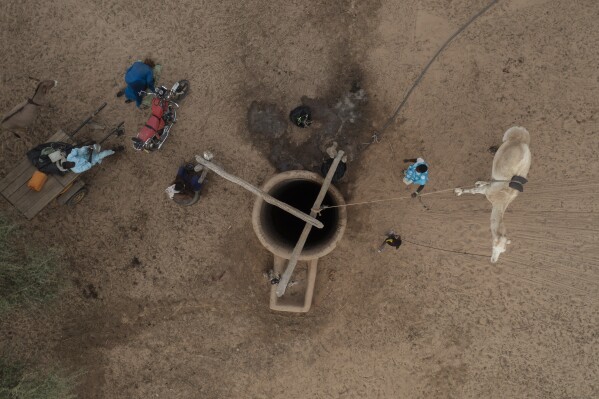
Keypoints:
(139, 77)
(417, 173)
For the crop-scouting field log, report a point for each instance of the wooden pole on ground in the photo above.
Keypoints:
(282, 286)
(311, 220)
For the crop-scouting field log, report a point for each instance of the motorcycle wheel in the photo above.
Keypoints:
(188, 202)
(182, 90)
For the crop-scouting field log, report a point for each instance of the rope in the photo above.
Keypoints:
(382, 200)
(446, 250)
(433, 59)
(399, 198)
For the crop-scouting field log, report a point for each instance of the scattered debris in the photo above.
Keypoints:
(275, 278)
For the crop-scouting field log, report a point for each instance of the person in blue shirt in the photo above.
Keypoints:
(417, 173)
(139, 77)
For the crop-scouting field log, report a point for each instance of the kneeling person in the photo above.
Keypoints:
(185, 189)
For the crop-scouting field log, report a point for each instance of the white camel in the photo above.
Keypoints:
(510, 164)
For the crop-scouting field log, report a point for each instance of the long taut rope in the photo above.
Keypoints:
(323, 207)
(445, 250)
(383, 200)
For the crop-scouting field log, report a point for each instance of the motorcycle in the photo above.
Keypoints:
(164, 115)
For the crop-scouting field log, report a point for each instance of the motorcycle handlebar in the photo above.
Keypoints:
(151, 93)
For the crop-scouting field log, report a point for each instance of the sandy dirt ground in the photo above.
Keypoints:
(170, 302)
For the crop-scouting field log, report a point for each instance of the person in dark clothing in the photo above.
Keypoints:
(272, 277)
(187, 182)
(67, 165)
(301, 116)
(393, 240)
(186, 188)
(139, 77)
(326, 165)
(341, 168)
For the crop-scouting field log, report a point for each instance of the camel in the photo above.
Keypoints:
(23, 115)
(510, 167)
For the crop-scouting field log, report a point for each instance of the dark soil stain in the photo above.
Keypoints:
(340, 108)
(90, 292)
(135, 262)
(340, 120)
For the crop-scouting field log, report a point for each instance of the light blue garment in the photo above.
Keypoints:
(81, 158)
(415, 177)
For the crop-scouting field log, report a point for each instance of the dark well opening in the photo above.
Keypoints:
(287, 228)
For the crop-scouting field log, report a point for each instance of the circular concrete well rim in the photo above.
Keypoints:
(274, 245)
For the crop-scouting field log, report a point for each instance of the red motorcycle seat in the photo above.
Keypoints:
(152, 127)
(154, 124)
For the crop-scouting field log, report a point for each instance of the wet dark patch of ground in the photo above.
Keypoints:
(327, 75)
(288, 146)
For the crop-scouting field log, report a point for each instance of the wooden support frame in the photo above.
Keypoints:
(282, 286)
(310, 219)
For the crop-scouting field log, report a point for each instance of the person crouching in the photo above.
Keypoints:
(185, 189)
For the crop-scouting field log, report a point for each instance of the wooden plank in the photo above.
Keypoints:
(16, 191)
(14, 185)
(25, 192)
(13, 178)
(26, 198)
(50, 191)
(31, 212)
(67, 179)
(255, 190)
(31, 209)
(282, 286)
(30, 202)
(26, 170)
(14, 174)
(35, 207)
(15, 197)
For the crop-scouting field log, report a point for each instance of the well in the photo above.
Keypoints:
(279, 231)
